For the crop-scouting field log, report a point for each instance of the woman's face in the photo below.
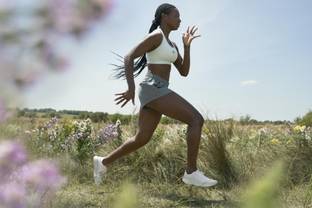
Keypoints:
(173, 19)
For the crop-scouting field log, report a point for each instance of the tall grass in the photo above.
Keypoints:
(239, 157)
(216, 135)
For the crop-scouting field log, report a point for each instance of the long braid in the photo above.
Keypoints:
(140, 63)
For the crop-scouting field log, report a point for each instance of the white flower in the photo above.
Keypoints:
(117, 123)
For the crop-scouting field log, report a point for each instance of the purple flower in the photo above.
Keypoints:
(69, 15)
(23, 183)
(12, 155)
(108, 132)
(43, 175)
(12, 195)
(82, 129)
(12, 151)
(51, 123)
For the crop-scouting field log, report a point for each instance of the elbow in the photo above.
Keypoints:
(183, 71)
(184, 74)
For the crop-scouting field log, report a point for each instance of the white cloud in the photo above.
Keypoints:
(248, 82)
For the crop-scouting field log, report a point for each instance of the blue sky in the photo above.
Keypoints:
(253, 57)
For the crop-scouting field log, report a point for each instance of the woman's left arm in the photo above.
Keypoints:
(183, 65)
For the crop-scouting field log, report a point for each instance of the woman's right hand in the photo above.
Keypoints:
(125, 96)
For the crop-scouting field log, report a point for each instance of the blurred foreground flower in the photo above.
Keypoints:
(265, 192)
(42, 175)
(12, 155)
(26, 184)
(30, 34)
(127, 198)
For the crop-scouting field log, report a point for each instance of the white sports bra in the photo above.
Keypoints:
(164, 53)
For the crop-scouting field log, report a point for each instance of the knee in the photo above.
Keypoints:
(197, 120)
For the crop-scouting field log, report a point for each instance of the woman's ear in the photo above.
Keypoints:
(163, 15)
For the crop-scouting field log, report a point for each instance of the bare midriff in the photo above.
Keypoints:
(162, 70)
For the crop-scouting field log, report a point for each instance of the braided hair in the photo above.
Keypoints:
(140, 63)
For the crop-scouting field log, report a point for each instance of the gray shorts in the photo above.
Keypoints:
(152, 87)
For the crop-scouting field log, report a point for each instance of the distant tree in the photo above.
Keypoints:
(20, 113)
(30, 114)
(98, 117)
(54, 114)
(84, 115)
(124, 119)
(306, 119)
(245, 119)
(297, 119)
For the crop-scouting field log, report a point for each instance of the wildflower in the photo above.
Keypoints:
(299, 129)
(117, 123)
(234, 139)
(108, 132)
(51, 123)
(12, 155)
(275, 141)
(263, 131)
(42, 174)
(17, 183)
(82, 129)
(27, 132)
(182, 131)
(12, 194)
(13, 152)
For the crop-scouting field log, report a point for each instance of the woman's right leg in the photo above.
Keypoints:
(148, 121)
(176, 107)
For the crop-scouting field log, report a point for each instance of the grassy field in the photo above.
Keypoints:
(256, 166)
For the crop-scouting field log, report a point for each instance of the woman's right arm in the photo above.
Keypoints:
(148, 44)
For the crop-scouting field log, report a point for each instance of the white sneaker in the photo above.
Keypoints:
(98, 169)
(197, 178)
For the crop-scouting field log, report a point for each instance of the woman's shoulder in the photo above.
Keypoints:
(155, 35)
(156, 32)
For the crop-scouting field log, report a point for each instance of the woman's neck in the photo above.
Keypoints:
(165, 30)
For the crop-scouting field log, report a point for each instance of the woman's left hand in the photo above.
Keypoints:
(189, 35)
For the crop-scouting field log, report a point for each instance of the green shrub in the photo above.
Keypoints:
(306, 119)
